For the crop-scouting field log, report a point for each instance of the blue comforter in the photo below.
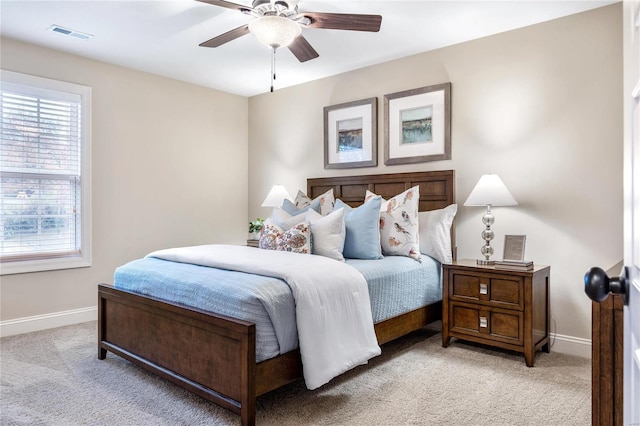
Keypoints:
(396, 285)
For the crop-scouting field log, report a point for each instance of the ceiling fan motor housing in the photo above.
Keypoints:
(277, 23)
(283, 8)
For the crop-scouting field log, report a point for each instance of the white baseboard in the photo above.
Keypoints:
(47, 321)
(571, 345)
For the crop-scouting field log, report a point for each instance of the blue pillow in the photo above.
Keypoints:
(291, 208)
(363, 229)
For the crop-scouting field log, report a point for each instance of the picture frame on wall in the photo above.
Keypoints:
(417, 125)
(350, 136)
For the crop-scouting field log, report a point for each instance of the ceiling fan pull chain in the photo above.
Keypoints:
(273, 67)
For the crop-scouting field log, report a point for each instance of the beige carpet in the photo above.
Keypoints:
(54, 378)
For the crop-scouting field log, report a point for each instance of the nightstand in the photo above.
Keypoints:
(253, 243)
(508, 309)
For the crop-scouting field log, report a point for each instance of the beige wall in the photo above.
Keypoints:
(169, 169)
(540, 106)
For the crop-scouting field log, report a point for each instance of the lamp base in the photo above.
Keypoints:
(486, 262)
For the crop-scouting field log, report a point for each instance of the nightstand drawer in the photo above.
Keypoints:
(501, 325)
(503, 291)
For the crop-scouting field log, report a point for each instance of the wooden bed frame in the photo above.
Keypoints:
(212, 355)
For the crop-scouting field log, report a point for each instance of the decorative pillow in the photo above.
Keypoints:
(291, 208)
(327, 233)
(399, 224)
(296, 239)
(435, 233)
(285, 220)
(325, 201)
(362, 240)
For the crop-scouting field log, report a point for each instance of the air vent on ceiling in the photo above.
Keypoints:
(72, 33)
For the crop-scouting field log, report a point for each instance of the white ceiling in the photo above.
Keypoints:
(162, 37)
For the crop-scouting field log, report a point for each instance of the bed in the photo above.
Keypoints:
(214, 356)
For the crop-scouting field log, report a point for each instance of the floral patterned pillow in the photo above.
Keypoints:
(327, 200)
(399, 224)
(296, 239)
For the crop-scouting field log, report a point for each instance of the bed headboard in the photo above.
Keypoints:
(437, 189)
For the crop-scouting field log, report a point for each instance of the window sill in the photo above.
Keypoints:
(28, 266)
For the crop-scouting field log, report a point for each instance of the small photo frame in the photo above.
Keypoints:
(514, 247)
(350, 137)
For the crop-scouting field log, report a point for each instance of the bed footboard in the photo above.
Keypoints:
(210, 355)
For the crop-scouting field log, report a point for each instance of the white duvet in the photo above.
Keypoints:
(333, 312)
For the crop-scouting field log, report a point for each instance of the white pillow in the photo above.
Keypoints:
(435, 233)
(327, 233)
(284, 219)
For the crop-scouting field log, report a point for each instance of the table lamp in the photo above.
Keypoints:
(276, 196)
(489, 191)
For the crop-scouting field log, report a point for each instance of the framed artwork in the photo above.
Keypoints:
(417, 125)
(350, 137)
(514, 247)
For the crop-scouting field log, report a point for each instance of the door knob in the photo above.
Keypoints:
(597, 284)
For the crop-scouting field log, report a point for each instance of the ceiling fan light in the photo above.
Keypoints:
(274, 31)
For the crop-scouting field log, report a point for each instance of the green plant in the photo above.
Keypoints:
(256, 225)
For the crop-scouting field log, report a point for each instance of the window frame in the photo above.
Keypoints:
(84, 258)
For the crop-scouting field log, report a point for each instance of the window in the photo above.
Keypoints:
(44, 174)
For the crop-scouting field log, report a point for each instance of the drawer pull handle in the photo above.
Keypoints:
(483, 322)
(483, 289)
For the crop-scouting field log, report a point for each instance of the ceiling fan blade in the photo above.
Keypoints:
(228, 5)
(344, 21)
(226, 37)
(302, 50)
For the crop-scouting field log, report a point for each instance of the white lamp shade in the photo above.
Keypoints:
(274, 31)
(276, 196)
(490, 191)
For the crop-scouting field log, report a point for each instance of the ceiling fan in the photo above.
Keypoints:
(277, 23)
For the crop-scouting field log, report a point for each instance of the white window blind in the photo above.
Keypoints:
(41, 172)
